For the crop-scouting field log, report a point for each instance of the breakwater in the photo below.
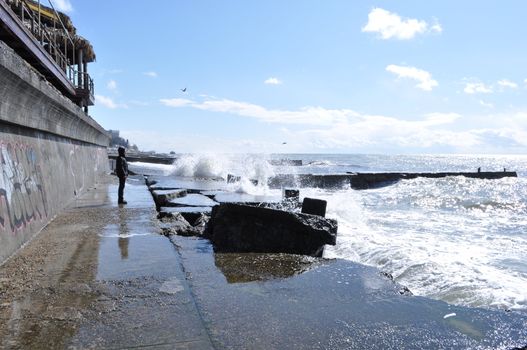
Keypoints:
(362, 181)
(50, 151)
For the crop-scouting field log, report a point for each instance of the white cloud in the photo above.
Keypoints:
(391, 25)
(112, 85)
(306, 115)
(486, 104)
(176, 102)
(423, 77)
(273, 81)
(432, 119)
(436, 28)
(108, 102)
(477, 88)
(321, 129)
(507, 83)
(62, 5)
(150, 74)
(166, 141)
(388, 133)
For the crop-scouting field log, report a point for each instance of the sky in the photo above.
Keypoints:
(310, 76)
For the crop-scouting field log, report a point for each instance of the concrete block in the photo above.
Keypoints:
(314, 206)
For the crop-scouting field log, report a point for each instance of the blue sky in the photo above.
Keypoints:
(322, 76)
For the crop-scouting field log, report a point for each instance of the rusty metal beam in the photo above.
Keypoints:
(24, 40)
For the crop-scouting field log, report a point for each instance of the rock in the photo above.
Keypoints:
(314, 206)
(290, 200)
(175, 224)
(234, 179)
(243, 228)
(290, 193)
(191, 214)
(201, 222)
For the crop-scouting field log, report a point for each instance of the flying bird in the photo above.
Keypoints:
(184, 90)
(284, 143)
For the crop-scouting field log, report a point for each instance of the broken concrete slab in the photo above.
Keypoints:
(246, 198)
(162, 197)
(245, 228)
(191, 200)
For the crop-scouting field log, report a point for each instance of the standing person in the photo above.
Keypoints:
(121, 169)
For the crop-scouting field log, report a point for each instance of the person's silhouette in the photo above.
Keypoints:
(121, 169)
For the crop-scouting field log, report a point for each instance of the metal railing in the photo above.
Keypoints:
(56, 40)
(82, 81)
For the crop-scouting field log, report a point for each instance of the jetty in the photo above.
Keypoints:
(362, 181)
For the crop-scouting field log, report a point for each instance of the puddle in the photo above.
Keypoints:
(133, 255)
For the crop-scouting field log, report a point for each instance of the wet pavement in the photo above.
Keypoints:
(281, 301)
(101, 276)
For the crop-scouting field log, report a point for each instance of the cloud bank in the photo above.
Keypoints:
(319, 128)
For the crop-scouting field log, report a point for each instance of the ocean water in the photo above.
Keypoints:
(460, 240)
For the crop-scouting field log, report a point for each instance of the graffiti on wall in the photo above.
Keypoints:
(22, 195)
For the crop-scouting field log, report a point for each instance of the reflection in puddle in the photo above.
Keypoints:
(123, 240)
(249, 267)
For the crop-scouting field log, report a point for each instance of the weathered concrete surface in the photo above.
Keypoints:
(262, 301)
(39, 175)
(99, 276)
(50, 152)
(191, 200)
(162, 197)
(27, 99)
(372, 180)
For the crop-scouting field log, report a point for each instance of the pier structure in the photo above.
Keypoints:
(363, 181)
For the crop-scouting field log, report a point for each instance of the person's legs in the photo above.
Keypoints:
(120, 193)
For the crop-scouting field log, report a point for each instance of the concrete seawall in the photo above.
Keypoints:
(50, 152)
(362, 181)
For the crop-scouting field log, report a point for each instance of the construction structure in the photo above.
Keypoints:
(47, 40)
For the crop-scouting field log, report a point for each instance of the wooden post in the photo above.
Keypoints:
(85, 75)
(80, 76)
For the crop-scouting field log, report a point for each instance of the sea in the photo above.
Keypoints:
(456, 239)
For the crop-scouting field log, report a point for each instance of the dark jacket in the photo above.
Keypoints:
(121, 167)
